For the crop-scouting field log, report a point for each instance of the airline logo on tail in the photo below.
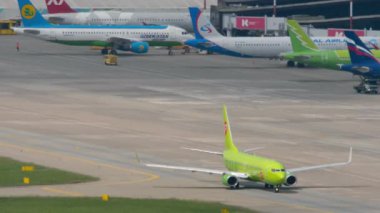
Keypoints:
(358, 50)
(55, 2)
(300, 40)
(28, 11)
(58, 6)
(225, 127)
(206, 28)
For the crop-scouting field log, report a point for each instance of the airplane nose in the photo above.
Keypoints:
(281, 177)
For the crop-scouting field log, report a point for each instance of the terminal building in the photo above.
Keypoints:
(316, 13)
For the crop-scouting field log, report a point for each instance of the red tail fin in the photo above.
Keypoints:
(58, 6)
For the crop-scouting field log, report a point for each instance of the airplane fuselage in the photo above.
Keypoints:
(101, 36)
(332, 59)
(258, 168)
(173, 18)
(266, 47)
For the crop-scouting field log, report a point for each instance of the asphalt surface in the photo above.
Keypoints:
(62, 107)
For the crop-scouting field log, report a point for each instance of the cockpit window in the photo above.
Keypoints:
(278, 170)
(185, 33)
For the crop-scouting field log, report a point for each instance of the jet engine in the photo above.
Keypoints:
(136, 47)
(290, 180)
(231, 181)
(139, 47)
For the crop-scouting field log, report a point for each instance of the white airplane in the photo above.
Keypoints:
(60, 12)
(136, 39)
(208, 38)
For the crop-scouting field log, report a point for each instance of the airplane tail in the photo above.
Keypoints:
(203, 28)
(228, 144)
(301, 42)
(58, 6)
(359, 52)
(30, 15)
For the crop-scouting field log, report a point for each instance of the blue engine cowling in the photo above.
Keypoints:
(139, 47)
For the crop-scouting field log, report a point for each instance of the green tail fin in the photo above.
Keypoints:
(228, 144)
(301, 42)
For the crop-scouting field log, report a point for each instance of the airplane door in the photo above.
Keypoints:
(52, 35)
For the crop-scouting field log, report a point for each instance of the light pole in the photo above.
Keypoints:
(274, 7)
(351, 13)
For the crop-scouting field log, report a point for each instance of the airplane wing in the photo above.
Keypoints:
(302, 57)
(193, 169)
(323, 166)
(121, 41)
(205, 151)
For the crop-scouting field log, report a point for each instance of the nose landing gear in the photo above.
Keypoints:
(276, 188)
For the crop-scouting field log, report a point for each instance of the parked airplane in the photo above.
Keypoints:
(241, 165)
(136, 39)
(60, 12)
(305, 52)
(363, 64)
(208, 38)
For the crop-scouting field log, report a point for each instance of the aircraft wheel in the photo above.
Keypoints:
(300, 65)
(277, 189)
(237, 186)
(113, 52)
(104, 51)
(290, 64)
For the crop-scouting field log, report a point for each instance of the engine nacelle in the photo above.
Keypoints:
(290, 180)
(231, 181)
(139, 47)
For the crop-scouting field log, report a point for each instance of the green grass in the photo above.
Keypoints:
(11, 174)
(94, 205)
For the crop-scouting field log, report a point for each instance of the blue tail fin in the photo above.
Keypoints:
(195, 13)
(30, 15)
(359, 52)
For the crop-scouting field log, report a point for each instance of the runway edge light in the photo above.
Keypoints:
(27, 168)
(105, 197)
(26, 180)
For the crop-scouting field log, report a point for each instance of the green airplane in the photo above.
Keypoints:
(305, 52)
(241, 165)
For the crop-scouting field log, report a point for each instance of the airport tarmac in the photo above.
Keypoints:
(62, 107)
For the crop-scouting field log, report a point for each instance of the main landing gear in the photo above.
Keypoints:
(237, 186)
(294, 64)
(104, 51)
(276, 188)
(367, 86)
(290, 64)
(171, 52)
(113, 52)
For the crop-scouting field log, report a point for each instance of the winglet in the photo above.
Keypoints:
(350, 156)
(359, 52)
(301, 42)
(30, 15)
(228, 144)
(58, 6)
